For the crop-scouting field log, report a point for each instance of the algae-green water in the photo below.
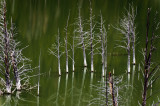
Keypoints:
(37, 23)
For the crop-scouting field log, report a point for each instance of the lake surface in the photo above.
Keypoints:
(37, 23)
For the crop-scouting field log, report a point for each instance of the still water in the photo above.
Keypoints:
(37, 22)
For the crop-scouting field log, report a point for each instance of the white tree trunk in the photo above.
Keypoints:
(18, 83)
(128, 46)
(91, 39)
(82, 38)
(84, 56)
(128, 63)
(73, 62)
(102, 47)
(66, 45)
(103, 70)
(66, 57)
(133, 47)
(59, 67)
(8, 89)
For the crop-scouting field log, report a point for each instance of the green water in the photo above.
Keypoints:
(37, 22)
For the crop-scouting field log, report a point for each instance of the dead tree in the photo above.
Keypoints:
(81, 37)
(132, 15)
(14, 59)
(55, 50)
(111, 85)
(149, 72)
(91, 34)
(39, 73)
(11, 58)
(72, 47)
(125, 30)
(102, 39)
(66, 43)
(128, 29)
(20, 64)
(5, 47)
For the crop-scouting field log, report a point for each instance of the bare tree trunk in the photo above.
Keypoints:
(39, 73)
(102, 47)
(147, 65)
(16, 75)
(128, 62)
(145, 89)
(6, 52)
(91, 38)
(106, 89)
(73, 62)
(14, 61)
(106, 73)
(59, 67)
(55, 50)
(84, 56)
(112, 89)
(105, 53)
(133, 47)
(82, 39)
(128, 44)
(66, 44)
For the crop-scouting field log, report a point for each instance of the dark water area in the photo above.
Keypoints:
(37, 23)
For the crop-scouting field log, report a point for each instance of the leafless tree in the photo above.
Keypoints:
(125, 30)
(5, 47)
(39, 73)
(11, 58)
(66, 43)
(149, 71)
(20, 64)
(72, 47)
(132, 15)
(102, 39)
(55, 50)
(111, 85)
(91, 34)
(81, 36)
(128, 29)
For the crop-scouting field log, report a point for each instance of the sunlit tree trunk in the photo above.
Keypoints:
(73, 62)
(82, 38)
(66, 42)
(133, 14)
(133, 47)
(128, 44)
(55, 50)
(91, 38)
(59, 67)
(102, 47)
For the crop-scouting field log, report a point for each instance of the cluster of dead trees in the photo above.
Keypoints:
(14, 66)
(89, 39)
(128, 28)
(85, 40)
